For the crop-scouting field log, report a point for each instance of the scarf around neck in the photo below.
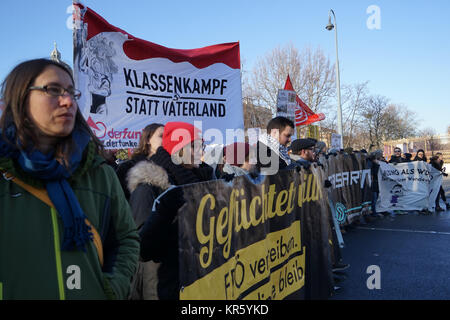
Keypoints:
(47, 169)
(276, 147)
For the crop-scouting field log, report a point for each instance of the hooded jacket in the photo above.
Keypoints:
(32, 265)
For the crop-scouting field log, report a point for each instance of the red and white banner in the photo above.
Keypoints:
(303, 114)
(128, 83)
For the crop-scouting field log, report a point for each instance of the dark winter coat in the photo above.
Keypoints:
(122, 172)
(262, 163)
(374, 168)
(395, 159)
(159, 234)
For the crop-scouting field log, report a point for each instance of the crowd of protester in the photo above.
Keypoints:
(46, 145)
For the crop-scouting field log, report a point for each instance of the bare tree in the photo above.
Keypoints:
(399, 122)
(355, 98)
(432, 140)
(311, 73)
(373, 118)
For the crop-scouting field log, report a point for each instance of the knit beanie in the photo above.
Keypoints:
(177, 135)
(236, 153)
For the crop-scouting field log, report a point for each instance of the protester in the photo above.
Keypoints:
(373, 163)
(333, 152)
(237, 159)
(407, 157)
(348, 150)
(213, 156)
(321, 149)
(57, 186)
(271, 149)
(150, 141)
(420, 156)
(110, 158)
(437, 163)
(179, 162)
(303, 152)
(397, 156)
(442, 169)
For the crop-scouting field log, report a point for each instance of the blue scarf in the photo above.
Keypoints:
(44, 167)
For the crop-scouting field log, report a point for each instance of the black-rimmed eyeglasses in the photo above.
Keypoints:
(57, 91)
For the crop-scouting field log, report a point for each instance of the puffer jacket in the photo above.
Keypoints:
(146, 181)
(32, 265)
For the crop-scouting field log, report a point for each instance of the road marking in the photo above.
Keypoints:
(404, 230)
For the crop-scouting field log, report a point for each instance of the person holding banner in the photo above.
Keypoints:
(179, 163)
(237, 159)
(321, 149)
(420, 156)
(407, 157)
(437, 163)
(66, 229)
(397, 156)
(373, 163)
(271, 149)
(303, 152)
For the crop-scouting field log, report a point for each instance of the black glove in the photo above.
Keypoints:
(180, 174)
(162, 158)
(445, 174)
(328, 183)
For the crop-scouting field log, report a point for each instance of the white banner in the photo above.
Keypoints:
(336, 141)
(286, 104)
(408, 186)
(128, 83)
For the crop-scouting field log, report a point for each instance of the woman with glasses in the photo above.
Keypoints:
(66, 230)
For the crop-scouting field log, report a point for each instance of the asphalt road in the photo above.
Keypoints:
(412, 252)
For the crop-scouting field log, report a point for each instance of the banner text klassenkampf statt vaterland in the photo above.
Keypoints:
(255, 241)
(128, 83)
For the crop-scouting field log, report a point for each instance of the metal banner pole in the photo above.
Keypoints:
(335, 222)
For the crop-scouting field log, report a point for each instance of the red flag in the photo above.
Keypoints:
(303, 114)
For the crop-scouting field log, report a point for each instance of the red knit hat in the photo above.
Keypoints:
(179, 134)
(236, 153)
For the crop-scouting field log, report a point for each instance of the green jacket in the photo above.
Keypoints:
(32, 265)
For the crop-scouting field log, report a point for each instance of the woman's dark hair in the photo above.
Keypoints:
(14, 93)
(144, 146)
(424, 158)
(279, 123)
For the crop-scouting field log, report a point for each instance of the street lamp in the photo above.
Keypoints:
(330, 27)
